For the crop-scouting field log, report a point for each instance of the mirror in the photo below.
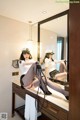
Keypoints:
(53, 35)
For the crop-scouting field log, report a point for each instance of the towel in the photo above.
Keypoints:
(30, 108)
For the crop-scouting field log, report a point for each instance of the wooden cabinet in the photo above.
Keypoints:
(18, 90)
(52, 111)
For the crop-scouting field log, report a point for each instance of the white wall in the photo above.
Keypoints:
(13, 36)
(48, 41)
(35, 39)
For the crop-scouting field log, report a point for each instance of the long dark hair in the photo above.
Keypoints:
(47, 56)
(26, 51)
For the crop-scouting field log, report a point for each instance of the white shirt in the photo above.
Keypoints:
(51, 65)
(24, 67)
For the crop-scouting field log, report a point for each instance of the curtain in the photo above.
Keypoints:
(60, 49)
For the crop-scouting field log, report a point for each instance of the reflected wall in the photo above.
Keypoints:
(50, 31)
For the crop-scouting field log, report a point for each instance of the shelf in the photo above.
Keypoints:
(20, 111)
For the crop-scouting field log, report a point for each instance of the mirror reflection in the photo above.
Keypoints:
(53, 48)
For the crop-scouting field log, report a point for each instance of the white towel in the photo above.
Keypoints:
(30, 108)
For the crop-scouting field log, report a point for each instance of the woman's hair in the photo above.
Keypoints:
(47, 56)
(26, 51)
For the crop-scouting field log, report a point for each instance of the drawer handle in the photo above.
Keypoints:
(53, 110)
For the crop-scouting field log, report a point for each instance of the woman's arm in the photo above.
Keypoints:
(59, 61)
(28, 62)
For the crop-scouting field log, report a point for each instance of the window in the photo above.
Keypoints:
(60, 49)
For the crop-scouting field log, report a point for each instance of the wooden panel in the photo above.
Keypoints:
(49, 109)
(74, 61)
(53, 111)
(18, 90)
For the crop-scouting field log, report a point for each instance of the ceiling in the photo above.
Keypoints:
(58, 26)
(31, 10)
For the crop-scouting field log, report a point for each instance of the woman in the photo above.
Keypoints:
(31, 69)
(50, 66)
(25, 63)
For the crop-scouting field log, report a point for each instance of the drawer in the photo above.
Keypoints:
(51, 109)
(63, 115)
(47, 109)
(54, 111)
(18, 90)
(42, 103)
(51, 117)
(57, 112)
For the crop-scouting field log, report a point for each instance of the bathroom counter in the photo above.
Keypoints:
(55, 106)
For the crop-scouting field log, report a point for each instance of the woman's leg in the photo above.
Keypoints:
(56, 87)
(35, 83)
(28, 79)
(61, 76)
(52, 85)
(63, 67)
(32, 72)
(29, 76)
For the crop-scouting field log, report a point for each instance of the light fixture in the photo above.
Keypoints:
(44, 12)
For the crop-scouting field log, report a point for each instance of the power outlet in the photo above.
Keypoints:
(15, 73)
